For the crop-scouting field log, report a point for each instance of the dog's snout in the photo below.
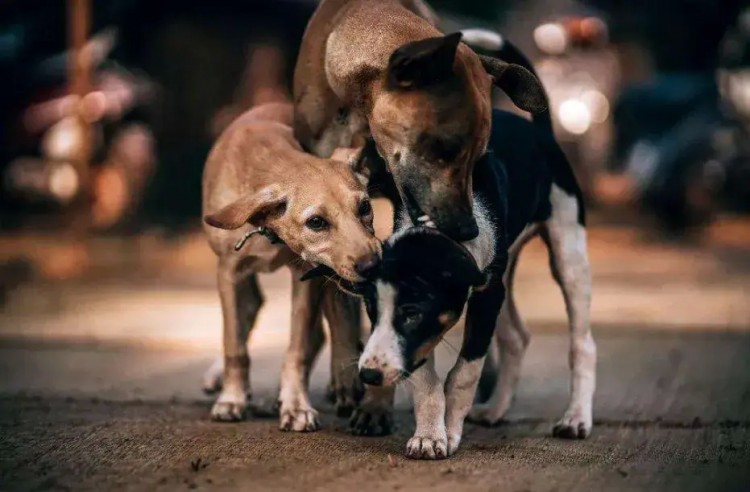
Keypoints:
(468, 230)
(366, 265)
(465, 230)
(373, 377)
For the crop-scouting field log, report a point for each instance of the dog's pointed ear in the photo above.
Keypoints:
(423, 62)
(435, 256)
(522, 86)
(257, 209)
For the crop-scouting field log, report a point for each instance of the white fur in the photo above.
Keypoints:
(569, 261)
(482, 38)
(482, 248)
(295, 412)
(213, 378)
(460, 388)
(383, 351)
(567, 240)
(430, 440)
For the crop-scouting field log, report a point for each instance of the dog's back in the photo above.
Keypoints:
(312, 92)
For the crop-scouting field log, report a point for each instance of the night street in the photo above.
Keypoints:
(101, 384)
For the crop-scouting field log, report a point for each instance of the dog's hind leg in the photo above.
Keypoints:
(511, 340)
(566, 239)
(371, 414)
(213, 378)
(295, 411)
(241, 300)
(343, 315)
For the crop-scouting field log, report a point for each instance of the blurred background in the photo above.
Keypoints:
(108, 109)
(101, 154)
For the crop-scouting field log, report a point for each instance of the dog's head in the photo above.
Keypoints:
(321, 211)
(431, 122)
(416, 295)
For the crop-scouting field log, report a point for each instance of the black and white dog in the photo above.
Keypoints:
(523, 187)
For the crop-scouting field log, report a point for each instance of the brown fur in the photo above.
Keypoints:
(258, 173)
(344, 91)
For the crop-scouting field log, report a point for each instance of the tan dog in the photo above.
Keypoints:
(258, 176)
(381, 68)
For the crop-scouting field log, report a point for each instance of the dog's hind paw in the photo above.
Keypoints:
(298, 419)
(228, 411)
(572, 426)
(213, 379)
(369, 421)
(484, 414)
(425, 448)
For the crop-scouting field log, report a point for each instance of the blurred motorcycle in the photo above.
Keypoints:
(54, 129)
(580, 72)
(683, 138)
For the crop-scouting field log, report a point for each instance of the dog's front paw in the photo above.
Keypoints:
(427, 448)
(573, 425)
(298, 419)
(230, 407)
(371, 420)
(485, 414)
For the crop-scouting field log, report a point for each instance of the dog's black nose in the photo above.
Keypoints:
(465, 231)
(373, 377)
(366, 265)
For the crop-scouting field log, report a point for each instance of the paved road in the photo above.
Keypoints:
(99, 389)
(672, 414)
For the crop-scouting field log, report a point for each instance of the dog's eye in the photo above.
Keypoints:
(410, 314)
(317, 223)
(365, 208)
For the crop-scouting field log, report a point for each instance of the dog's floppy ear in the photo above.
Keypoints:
(256, 209)
(522, 86)
(423, 62)
(434, 255)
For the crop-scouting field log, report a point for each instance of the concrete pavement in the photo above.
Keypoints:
(99, 385)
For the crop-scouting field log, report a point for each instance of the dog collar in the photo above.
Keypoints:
(272, 237)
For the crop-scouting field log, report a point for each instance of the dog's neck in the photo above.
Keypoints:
(482, 247)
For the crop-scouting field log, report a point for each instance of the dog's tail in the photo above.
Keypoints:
(496, 45)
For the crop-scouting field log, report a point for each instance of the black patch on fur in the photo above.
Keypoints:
(431, 275)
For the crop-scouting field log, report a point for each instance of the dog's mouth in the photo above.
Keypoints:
(418, 216)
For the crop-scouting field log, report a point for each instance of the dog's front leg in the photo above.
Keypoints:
(463, 379)
(241, 300)
(295, 412)
(429, 440)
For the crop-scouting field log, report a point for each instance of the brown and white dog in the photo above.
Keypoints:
(258, 176)
(381, 69)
